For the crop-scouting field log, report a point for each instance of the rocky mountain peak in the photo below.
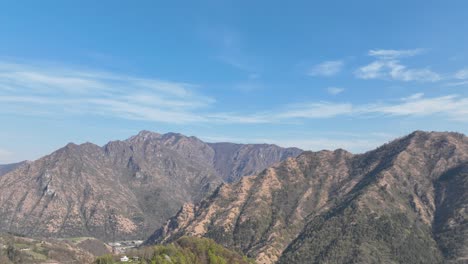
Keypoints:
(138, 183)
(144, 135)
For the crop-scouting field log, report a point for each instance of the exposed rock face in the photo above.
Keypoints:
(123, 189)
(405, 202)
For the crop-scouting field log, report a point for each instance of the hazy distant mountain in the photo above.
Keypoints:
(124, 188)
(5, 168)
(405, 202)
(232, 161)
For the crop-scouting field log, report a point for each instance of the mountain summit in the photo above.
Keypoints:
(405, 202)
(125, 188)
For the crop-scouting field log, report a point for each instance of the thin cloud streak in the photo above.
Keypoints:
(335, 90)
(454, 107)
(327, 68)
(152, 100)
(462, 74)
(393, 54)
(68, 90)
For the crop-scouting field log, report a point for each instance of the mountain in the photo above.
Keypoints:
(123, 189)
(405, 202)
(232, 161)
(5, 168)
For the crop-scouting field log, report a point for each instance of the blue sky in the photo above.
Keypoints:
(310, 74)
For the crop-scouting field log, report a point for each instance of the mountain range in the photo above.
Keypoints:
(404, 202)
(124, 189)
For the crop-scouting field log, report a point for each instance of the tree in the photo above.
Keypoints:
(106, 259)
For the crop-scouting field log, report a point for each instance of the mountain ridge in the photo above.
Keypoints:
(303, 209)
(121, 189)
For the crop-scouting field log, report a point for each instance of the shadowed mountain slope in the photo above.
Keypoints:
(5, 168)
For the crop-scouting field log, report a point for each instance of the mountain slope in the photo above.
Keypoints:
(5, 168)
(407, 213)
(120, 190)
(404, 202)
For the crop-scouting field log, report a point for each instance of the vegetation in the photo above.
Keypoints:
(105, 259)
(355, 235)
(20, 250)
(186, 250)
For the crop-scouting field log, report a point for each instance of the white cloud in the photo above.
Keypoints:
(451, 106)
(371, 71)
(462, 74)
(43, 91)
(393, 54)
(289, 113)
(327, 68)
(29, 90)
(335, 90)
(387, 66)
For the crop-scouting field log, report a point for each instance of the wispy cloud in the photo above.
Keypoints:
(460, 78)
(327, 68)
(335, 90)
(388, 66)
(394, 54)
(287, 114)
(230, 48)
(453, 107)
(44, 91)
(31, 89)
(462, 74)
